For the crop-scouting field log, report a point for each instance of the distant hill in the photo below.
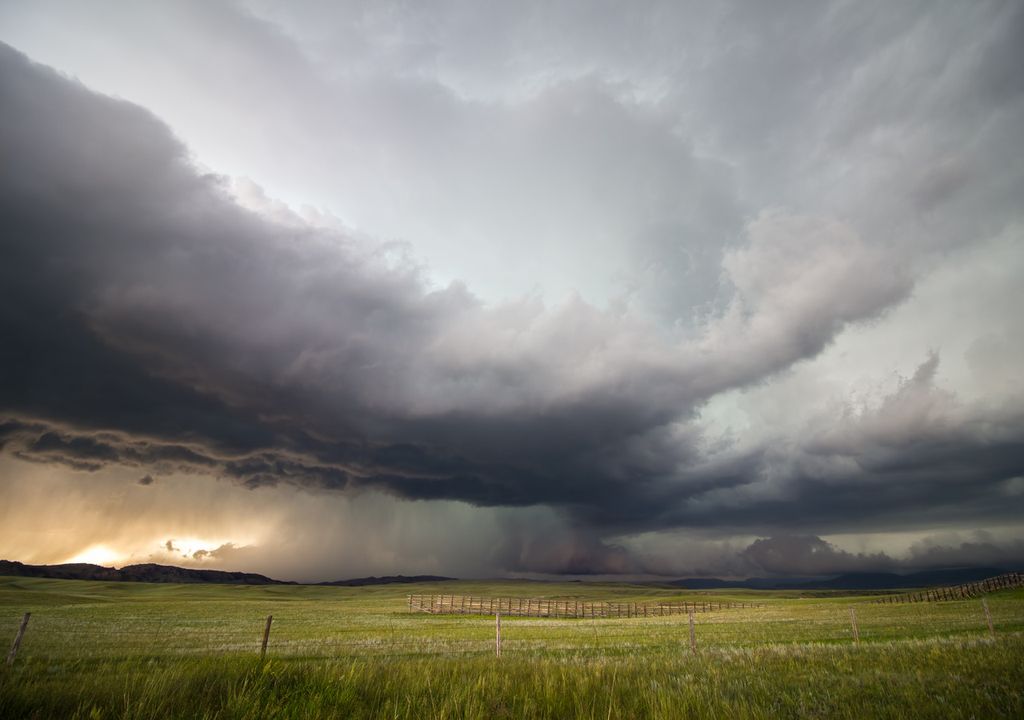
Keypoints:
(748, 584)
(847, 581)
(387, 580)
(928, 578)
(148, 572)
(151, 572)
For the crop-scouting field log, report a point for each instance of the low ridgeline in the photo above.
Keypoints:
(959, 592)
(532, 607)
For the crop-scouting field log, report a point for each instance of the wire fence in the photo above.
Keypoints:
(1006, 581)
(338, 630)
(543, 607)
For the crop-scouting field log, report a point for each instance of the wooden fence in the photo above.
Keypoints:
(959, 592)
(532, 607)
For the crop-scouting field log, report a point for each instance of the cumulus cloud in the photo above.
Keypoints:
(798, 281)
(221, 552)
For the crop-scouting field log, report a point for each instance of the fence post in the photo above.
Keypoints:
(853, 622)
(17, 639)
(266, 637)
(988, 618)
(497, 635)
(693, 636)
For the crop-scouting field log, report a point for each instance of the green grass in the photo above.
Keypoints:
(129, 650)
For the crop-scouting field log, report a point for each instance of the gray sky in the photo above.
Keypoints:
(327, 289)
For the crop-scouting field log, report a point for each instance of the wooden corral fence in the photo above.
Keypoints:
(533, 607)
(959, 592)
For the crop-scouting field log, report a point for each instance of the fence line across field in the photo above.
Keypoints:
(551, 609)
(453, 646)
(964, 591)
(542, 608)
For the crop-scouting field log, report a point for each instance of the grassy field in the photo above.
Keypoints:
(129, 650)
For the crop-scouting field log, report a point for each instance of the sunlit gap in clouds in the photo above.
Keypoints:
(96, 555)
(184, 550)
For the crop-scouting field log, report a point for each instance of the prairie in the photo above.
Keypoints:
(135, 650)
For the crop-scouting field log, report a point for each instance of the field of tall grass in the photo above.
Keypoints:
(132, 650)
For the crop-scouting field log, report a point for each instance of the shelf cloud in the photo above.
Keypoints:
(777, 326)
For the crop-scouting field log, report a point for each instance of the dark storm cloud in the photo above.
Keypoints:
(920, 458)
(151, 322)
(809, 555)
(984, 551)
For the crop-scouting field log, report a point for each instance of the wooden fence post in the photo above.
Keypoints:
(497, 635)
(693, 636)
(266, 637)
(853, 622)
(17, 639)
(988, 618)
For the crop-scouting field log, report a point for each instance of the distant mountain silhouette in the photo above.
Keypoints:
(927, 578)
(748, 584)
(847, 581)
(148, 572)
(387, 580)
(153, 573)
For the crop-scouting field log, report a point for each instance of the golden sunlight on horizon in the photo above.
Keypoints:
(185, 550)
(96, 555)
(50, 516)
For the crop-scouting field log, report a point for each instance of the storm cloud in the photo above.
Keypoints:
(167, 319)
